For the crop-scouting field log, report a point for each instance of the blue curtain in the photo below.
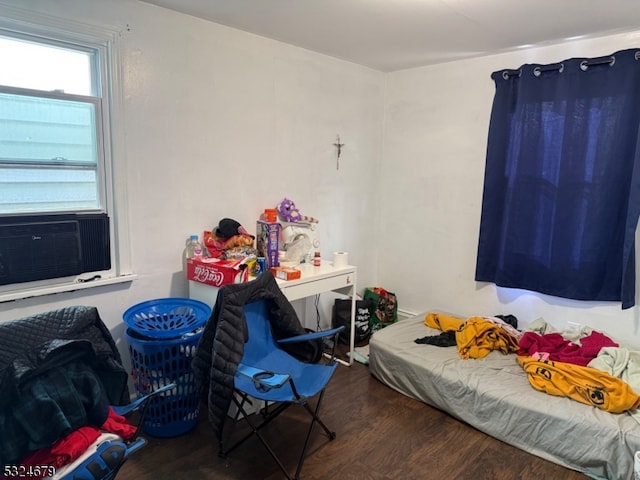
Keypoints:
(562, 187)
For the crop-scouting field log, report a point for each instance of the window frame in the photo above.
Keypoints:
(19, 23)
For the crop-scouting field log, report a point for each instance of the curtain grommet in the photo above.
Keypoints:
(537, 71)
(585, 64)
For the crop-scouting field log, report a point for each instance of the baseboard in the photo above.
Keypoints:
(404, 314)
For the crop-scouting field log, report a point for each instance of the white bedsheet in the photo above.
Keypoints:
(494, 395)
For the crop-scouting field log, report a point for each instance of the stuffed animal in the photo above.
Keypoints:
(290, 213)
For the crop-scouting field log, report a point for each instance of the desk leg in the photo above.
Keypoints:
(339, 360)
(352, 326)
(352, 337)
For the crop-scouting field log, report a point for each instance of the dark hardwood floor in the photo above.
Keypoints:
(381, 435)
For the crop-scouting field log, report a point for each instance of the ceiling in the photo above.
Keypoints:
(390, 35)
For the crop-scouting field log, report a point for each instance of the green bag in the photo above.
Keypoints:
(385, 307)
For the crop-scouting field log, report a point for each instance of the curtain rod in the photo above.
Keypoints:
(584, 66)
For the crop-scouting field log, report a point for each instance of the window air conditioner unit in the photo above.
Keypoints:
(52, 246)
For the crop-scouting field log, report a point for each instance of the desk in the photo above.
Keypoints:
(313, 281)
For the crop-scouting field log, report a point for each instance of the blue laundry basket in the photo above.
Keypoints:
(163, 335)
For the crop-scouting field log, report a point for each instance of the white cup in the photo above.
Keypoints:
(340, 259)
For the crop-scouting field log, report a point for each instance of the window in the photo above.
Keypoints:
(58, 161)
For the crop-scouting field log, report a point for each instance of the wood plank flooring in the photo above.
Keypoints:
(381, 435)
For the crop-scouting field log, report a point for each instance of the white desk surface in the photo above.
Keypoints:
(313, 281)
(310, 273)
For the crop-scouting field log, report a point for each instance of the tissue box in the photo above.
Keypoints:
(286, 273)
(217, 272)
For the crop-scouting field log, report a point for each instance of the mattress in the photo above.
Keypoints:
(493, 395)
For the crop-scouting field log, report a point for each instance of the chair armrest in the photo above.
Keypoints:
(142, 403)
(263, 379)
(126, 409)
(313, 335)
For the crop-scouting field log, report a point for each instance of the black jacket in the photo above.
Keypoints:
(221, 346)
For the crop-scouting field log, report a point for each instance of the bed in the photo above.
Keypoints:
(493, 395)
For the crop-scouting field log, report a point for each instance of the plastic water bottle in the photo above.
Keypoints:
(194, 247)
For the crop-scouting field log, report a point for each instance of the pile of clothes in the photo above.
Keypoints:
(584, 365)
(60, 372)
(229, 240)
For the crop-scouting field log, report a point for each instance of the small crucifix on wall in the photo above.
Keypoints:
(338, 146)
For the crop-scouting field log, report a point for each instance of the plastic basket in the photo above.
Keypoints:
(163, 336)
(167, 317)
(155, 363)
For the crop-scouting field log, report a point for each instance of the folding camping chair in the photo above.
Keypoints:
(270, 374)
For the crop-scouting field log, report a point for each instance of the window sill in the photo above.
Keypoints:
(64, 287)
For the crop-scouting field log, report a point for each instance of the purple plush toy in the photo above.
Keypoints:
(290, 213)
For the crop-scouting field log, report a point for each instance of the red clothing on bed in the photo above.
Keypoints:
(562, 350)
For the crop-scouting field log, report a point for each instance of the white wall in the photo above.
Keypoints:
(436, 128)
(220, 123)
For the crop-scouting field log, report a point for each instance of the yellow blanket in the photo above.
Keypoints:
(475, 336)
(443, 322)
(584, 384)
